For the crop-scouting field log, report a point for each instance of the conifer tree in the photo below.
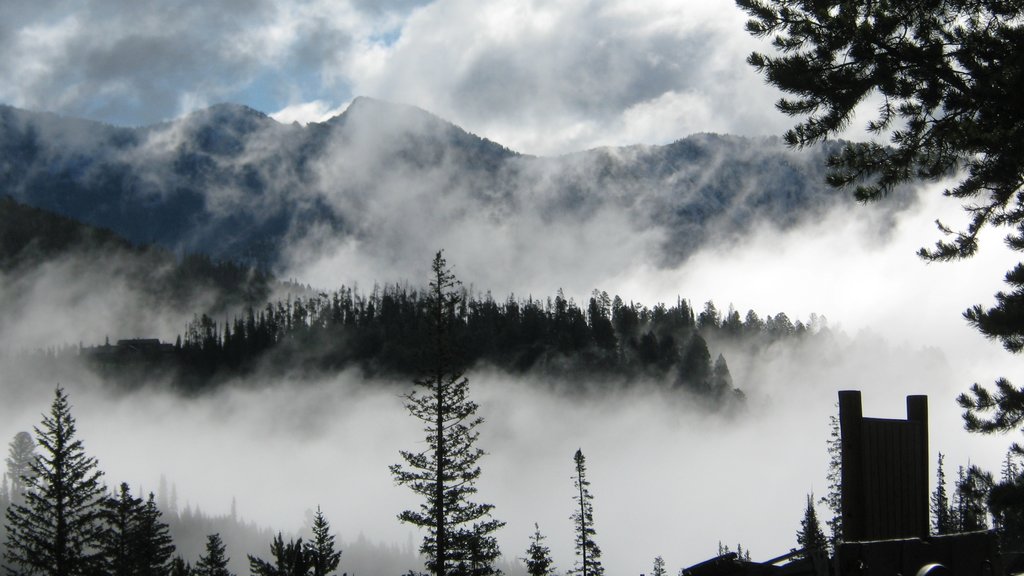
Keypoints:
(940, 502)
(58, 529)
(323, 558)
(659, 567)
(833, 499)
(153, 545)
(122, 515)
(973, 486)
(213, 562)
(289, 559)
(21, 454)
(179, 567)
(809, 536)
(538, 556)
(459, 532)
(588, 554)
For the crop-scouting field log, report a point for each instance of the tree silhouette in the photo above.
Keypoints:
(942, 521)
(459, 535)
(538, 556)
(323, 558)
(810, 536)
(213, 562)
(289, 559)
(58, 530)
(659, 567)
(588, 554)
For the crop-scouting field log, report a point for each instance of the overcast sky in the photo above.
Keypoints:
(540, 77)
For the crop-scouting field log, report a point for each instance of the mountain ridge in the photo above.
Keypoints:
(233, 183)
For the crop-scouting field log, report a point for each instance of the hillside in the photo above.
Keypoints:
(233, 183)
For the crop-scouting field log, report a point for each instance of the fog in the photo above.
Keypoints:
(668, 478)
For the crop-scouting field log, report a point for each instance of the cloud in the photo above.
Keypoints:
(551, 78)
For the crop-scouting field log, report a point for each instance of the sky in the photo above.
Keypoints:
(539, 77)
(542, 78)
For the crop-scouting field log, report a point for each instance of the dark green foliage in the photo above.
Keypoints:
(289, 559)
(213, 562)
(538, 556)
(588, 554)
(941, 518)
(323, 558)
(810, 536)
(58, 531)
(948, 76)
(459, 538)
(180, 568)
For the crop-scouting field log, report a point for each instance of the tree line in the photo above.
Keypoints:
(383, 333)
(60, 520)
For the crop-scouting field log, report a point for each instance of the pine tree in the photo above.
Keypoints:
(659, 567)
(588, 554)
(834, 498)
(323, 558)
(153, 546)
(940, 502)
(213, 562)
(122, 515)
(538, 556)
(179, 567)
(289, 559)
(21, 454)
(58, 530)
(459, 532)
(809, 536)
(1004, 504)
(973, 486)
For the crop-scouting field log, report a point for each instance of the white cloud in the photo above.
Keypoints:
(306, 112)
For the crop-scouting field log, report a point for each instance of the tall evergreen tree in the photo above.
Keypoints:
(809, 536)
(833, 499)
(972, 489)
(58, 530)
(323, 558)
(459, 535)
(153, 544)
(289, 559)
(122, 515)
(538, 556)
(214, 562)
(21, 454)
(137, 542)
(588, 554)
(940, 502)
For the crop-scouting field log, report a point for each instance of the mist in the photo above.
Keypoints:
(668, 477)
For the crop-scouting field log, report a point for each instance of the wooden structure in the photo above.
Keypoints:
(885, 472)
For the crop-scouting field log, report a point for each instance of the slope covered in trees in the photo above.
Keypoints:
(32, 238)
(607, 342)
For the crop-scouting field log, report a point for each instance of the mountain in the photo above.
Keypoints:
(231, 182)
(35, 242)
